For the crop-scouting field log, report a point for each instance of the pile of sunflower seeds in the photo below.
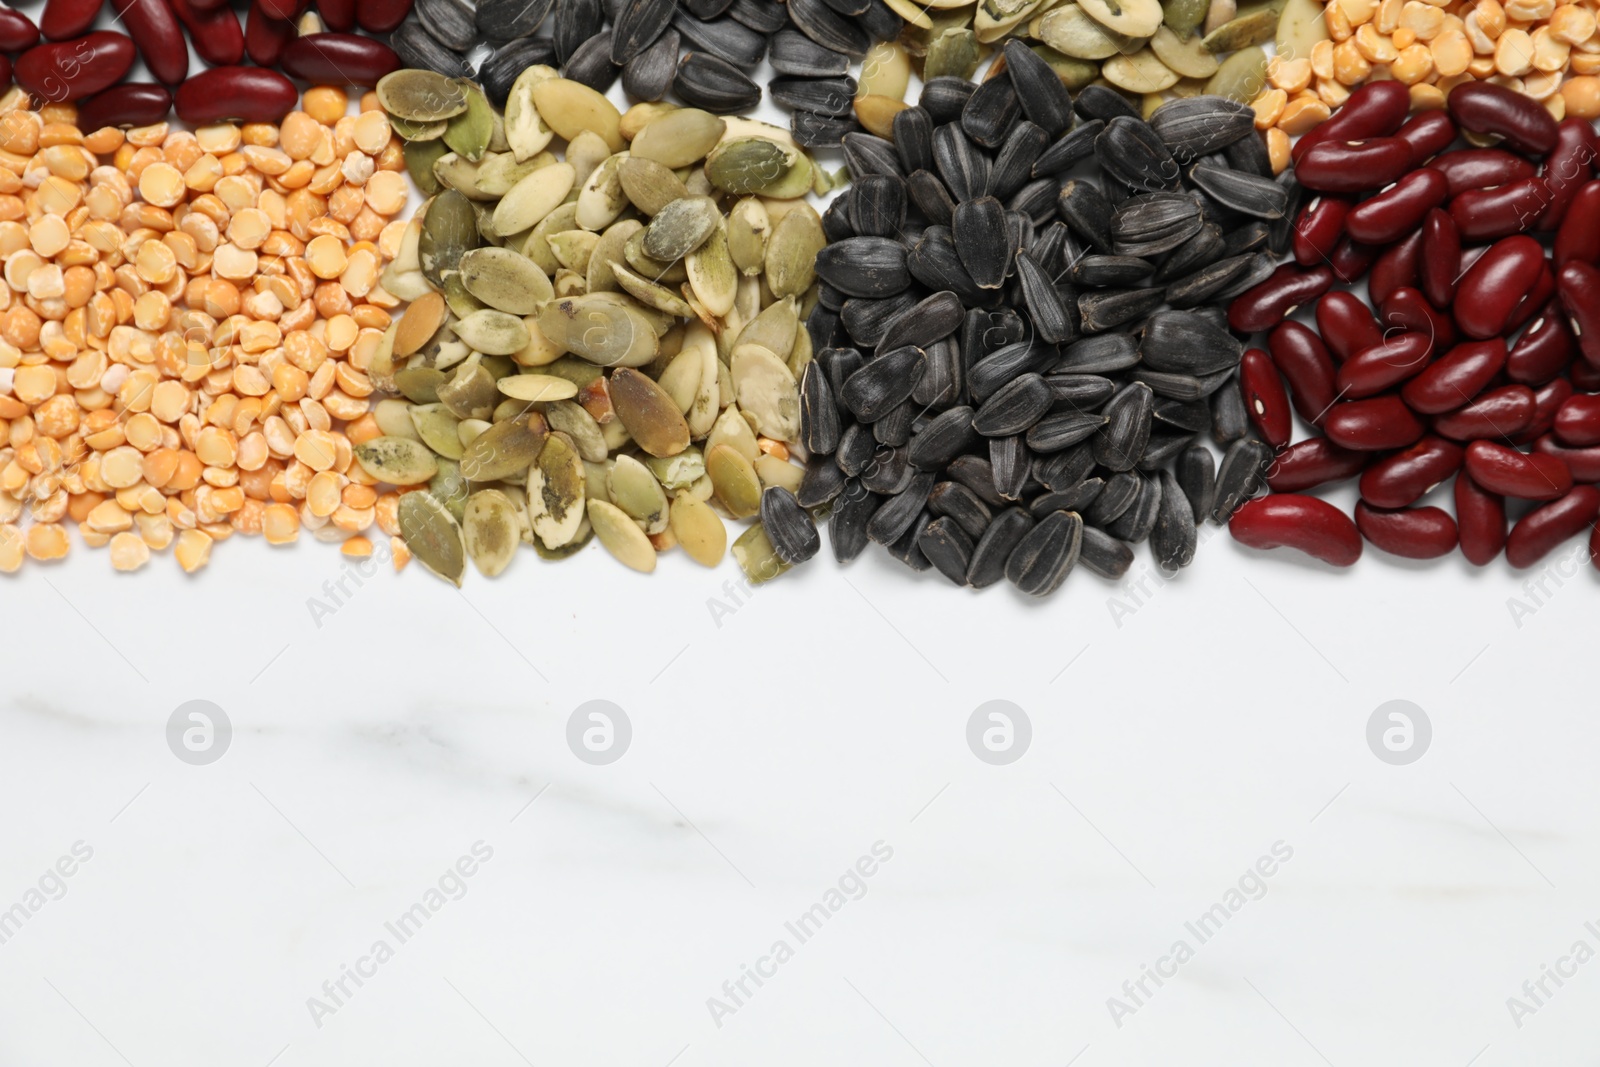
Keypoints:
(1015, 366)
(604, 345)
(702, 51)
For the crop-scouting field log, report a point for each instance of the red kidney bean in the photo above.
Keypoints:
(1503, 412)
(1480, 168)
(284, 9)
(131, 104)
(1492, 287)
(1537, 533)
(1346, 324)
(1499, 212)
(64, 19)
(1399, 266)
(1410, 310)
(1377, 109)
(1269, 303)
(1456, 377)
(1577, 421)
(209, 5)
(1404, 478)
(1428, 134)
(1374, 425)
(1568, 167)
(1543, 349)
(1579, 234)
(1318, 229)
(1312, 462)
(244, 94)
(1584, 375)
(5, 70)
(217, 36)
(338, 58)
(1399, 209)
(339, 15)
(17, 31)
(1303, 360)
(1534, 300)
(1289, 520)
(1412, 533)
(1332, 166)
(156, 34)
(1352, 259)
(1372, 370)
(1439, 265)
(1480, 521)
(72, 70)
(265, 37)
(1265, 401)
(1526, 476)
(1547, 400)
(1485, 108)
(381, 16)
(1579, 288)
(1584, 463)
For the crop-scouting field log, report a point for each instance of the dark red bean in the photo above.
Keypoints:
(1340, 166)
(72, 70)
(1265, 401)
(284, 9)
(1515, 207)
(1408, 309)
(1579, 287)
(338, 58)
(1547, 401)
(1374, 425)
(1377, 109)
(1526, 476)
(1568, 167)
(1481, 168)
(64, 19)
(1503, 412)
(1303, 360)
(1289, 520)
(1456, 377)
(1412, 533)
(158, 37)
(1402, 479)
(1577, 421)
(1534, 300)
(339, 15)
(1313, 462)
(131, 104)
(381, 16)
(1584, 463)
(1480, 521)
(1585, 376)
(1399, 209)
(1399, 356)
(1579, 235)
(1543, 349)
(209, 5)
(244, 94)
(17, 31)
(1346, 324)
(1541, 530)
(265, 37)
(1440, 263)
(1428, 134)
(1493, 286)
(5, 70)
(1485, 108)
(1399, 267)
(217, 35)
(1269, 303)
(1352, 259)
(1318, 229)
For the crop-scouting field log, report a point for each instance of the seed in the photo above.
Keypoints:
(420, 50)
(469, 133)
(756, 556)
(506, 20)
(1187, 343)
(734, 481)
(792, 252)
(421, 96)
(1063, 430)
(699, 530)
(648, 75)
(502, 279)
(490, 531)
(1121, 441)
(819, 413)
(504, 449)
(748, 229)
(1242, 474)
(537, 388)
(1015, 407)
(724, 38)
(1249, 194)
(865, 266)
(979, 241)
(569, 108)
(621, 536)
(896, 515)
(790, 530)
(749, 165)
(396, 460)
(1131, 152)
(827, 28)
(884, 383)
(433, 536)
(649, 414)
(712, 274)
(493, 332)
(605, 333)
(680, 228)
(1044, 556)
(638, 24)
(632, 487)
(795, 54)
(712, 83)
(534, 197)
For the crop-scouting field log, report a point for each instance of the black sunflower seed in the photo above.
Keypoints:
(825, 96)
(506, 20)
(1014, 407)
(499, 72)
(1063, 470)
(1111, 308)
(948, 547)
(1174, 537)
(962, 505)
(575, 22)
(981, 242)
(450, 22)
(836, 221)
(1110, 271)
(1045, 555)
(913, 139)
(989, 374)
(418, 48)
(867, 154)
(931, 197)
(1130, 152)
(1243, 472)
(963, 167)
(1209, 281)
(888, 472)
(881, 21)
(1197, 476)
(732, 42)
(715, 85)
(877, 204)
(847, 522)
(946, 436)
(1229, 420)
(1000, 538)
(868, 320)
(1248, 194)
(941, 383)
(822, 483)
(1201, 125)
(908, 549)
(763, 16)
(1163, 449)
(865, 266)
(1099, 355)
(849, 8)
(976, 473)
(1199, 251)
(819, 414)
(1087, 212)
(883, 383)
(821, 131)
(1104, 554)
(944, 97)
(1073, 498)
(1054, 250)
(790, 529)
(591, 64)
(1179, 386)
(1103, 102)
(1114, 498)
(840, 363)
(1044, 99)
(928, 320)
(1249, 155)
(706, 9)
(1192, 416)
(1154, 224)
(1081, 392)
(896, 515)
(1010, 462)
(1049, 315)
(1183, 342)
(991, 111)
(828, 28)
(894, 428)
(822, 328)
(1063, 430)
(795, 54)
(1069, 150)
(648, 75)
(1135, 524)
(1037, 200)
(934, 262)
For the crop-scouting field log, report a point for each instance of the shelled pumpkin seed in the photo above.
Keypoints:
(606, 331)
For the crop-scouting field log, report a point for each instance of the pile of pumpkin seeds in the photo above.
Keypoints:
(603, 341)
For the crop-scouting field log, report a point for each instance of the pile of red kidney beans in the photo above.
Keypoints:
(1483, 360)
(73, 62)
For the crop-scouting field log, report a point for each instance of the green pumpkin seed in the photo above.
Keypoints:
(449, 488)
(573, 248)
(748, 228)
(537, 388)
(568, 550)
(1183, 17)
(680, 472)
(674, 273)
(417, 132)
(650, 294)
(571, 419)
(756, 556)
(952, 53)
(679, 137)
(734, 481)
(711, 272)
(556, 493)
(1070, 30)
(470, 132)
(505, 449)
(600, 331)
(621, 536)
(1256, 27)
(767, 392)
(780, 472)
(433, 536)
(1241, 75)
(1141, 72)
(680, 228)
(649, 185)
(995, 18)
(649, 414)
(569, 108)
(397, 460)
(699, 530)
(733, 430)
(601, 200)
(609, 249)
(1300, 26)
(505, 280)
(470, 393)
(1131, 18)
(499, 171)
(1186, 58)
(792, 252)
(886, 71)
(420, 385)
(493, 332)
(461, 302)
(490, 531)
(773, 329)
(421, 96)
(750, 165)
(537, 245)
(449, 231)
(437, 428)
(420, 157)
(533, 198)
(526, 131)
(681, 379)
(1074, 73)
(632, 487)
